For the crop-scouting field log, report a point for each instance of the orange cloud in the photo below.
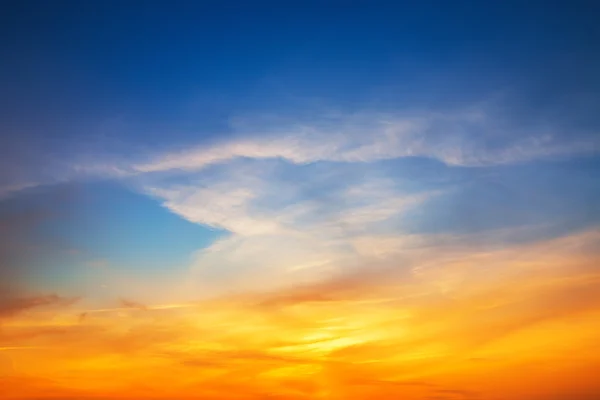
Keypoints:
(513, 324)
(14, 305)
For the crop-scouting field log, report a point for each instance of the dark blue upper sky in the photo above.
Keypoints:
(74, 64)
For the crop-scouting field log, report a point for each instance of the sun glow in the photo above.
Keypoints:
(465, 344)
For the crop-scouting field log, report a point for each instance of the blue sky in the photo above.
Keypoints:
(258, 144)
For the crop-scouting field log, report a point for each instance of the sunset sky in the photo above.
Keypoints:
(334, 200)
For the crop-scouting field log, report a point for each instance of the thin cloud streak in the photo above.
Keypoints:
(472, 138)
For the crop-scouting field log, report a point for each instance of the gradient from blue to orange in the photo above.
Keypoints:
(333, 200)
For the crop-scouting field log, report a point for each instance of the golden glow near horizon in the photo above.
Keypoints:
(453, 330)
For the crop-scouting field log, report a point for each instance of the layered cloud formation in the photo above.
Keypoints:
(351, 256)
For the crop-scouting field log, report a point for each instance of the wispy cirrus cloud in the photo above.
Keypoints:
(302, 197)
(477, 136)
(284, 223)
(481, 135)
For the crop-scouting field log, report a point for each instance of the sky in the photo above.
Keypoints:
(299, 200)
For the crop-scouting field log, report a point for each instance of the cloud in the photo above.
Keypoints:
(301, 217)
(301, 199)
(24, 244)
(476, 136)
(126, 303)
(285, 223)
(13, 305)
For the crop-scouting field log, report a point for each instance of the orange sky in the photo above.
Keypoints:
(457, 328)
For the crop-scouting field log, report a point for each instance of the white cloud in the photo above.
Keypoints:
(296, 225)
(280, 232)
(467, 138)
